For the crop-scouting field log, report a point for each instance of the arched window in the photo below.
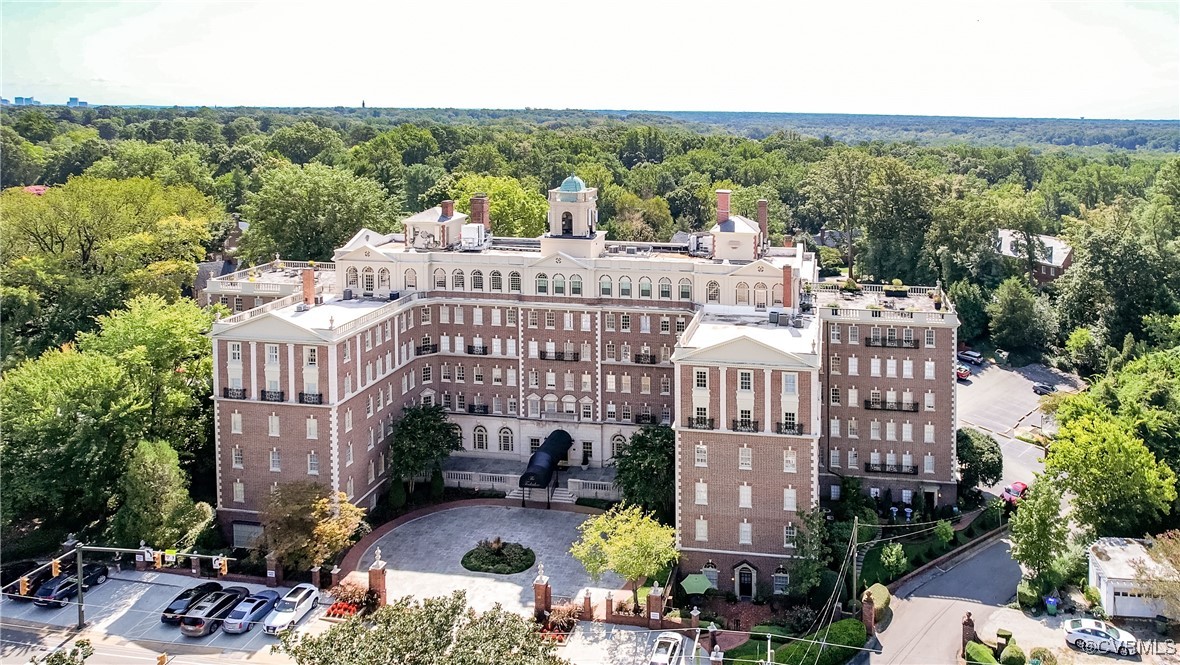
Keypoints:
(604, 286)
(760, 296)
(458, 282)
(350, 280)
(568, 404)
(514, 282)
(440, 278)
(411, 278)
(616, 445)
(743, 293)
(665, 288)
(559, 285)
(506, 443)
(497, 281)
(542, 284)
(477, 280)
(686, 289)
(550, 403)
(624, 287)
(712, 292)
(367, 279)
(575, 285)
(567, 224)
(383, 278)
(644, 287)
(777, 294)
(479, 438)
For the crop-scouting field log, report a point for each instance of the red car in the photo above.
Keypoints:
(1014, 492)
(962, 372)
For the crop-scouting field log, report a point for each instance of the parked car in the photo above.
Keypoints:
(1044, 388)
(962, 372)
(973, 357)
(1014, 493)
(206, 616)
(184, 602)
(250, 611)
(667, 649)
(55, 592)
(21, 569)
(291, 609)
(1094, 635)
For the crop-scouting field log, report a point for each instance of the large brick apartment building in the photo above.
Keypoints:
(776, 385)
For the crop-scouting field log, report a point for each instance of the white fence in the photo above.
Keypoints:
(506, 482)
(593, 489)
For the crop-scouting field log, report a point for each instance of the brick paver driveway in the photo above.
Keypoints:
(424, 556)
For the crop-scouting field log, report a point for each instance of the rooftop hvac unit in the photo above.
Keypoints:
(348, 294)
(319, 300)
(301, 307)
(774, 318)
(784, 320)
(394, 295)
(797, 322)
(613, 249)
(631, 251)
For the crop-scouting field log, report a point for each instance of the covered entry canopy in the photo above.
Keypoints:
(539, 472)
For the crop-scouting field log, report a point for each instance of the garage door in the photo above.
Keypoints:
(1131, 604)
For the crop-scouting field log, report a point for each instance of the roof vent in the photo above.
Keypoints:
(631, 251)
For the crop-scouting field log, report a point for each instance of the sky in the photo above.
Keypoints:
(952, 57)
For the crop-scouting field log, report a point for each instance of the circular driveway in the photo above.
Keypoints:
(423, 556)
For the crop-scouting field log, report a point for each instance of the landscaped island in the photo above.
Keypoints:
(497, 556)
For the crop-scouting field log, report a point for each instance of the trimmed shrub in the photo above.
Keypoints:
(1012, 655)
(980, 654)
(1027, 595)
(840, 636)
(1044, 655)
(397, 494)
(1092, 596)
(497, 556)
(437, 485)
(881, 599)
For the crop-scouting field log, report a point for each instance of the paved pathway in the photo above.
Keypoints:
(424, 556)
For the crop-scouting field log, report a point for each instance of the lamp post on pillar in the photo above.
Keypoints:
(542, 594)
(377, 578)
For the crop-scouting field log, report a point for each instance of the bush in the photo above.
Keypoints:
(796, 620)
(601, 504)
(840, 636)
(851, 286)
(563, 617)
(397, 494)
(437, 485)
(881, 599)
(1092, 596)
(980, 653)
(1027, 595)
(497, 556)
(1012, 655)
(355, 594)
(1044, 655)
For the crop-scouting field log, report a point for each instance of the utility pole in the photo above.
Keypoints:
(81, 593)
(855, 533)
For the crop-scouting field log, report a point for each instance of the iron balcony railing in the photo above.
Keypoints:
(891, 406)
(426, 349)
(473, 350)
(645, 419)
(892, 343)
(568, 356)
(907, 469)
(788, 428)
(233, 393)
(478, 409)
(272, 396)
(700, 423)
(646, 358)
(311, 398)
(746, 426)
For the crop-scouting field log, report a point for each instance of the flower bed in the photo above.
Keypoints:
(499, 557)
(342, 610)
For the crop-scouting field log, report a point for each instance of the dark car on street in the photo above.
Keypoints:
(207, 615)
(184, 602)
(55, 592)
(250, 611)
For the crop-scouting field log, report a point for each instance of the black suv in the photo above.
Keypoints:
(58, 590)
(181, 604)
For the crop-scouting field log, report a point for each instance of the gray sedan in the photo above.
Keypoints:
(250, 611)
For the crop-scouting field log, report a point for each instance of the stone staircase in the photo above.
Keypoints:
(560, 495)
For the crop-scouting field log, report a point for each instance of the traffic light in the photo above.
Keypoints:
(158, 557)
(223, 565)
(162, 659)
(55, 567)
(24, 586)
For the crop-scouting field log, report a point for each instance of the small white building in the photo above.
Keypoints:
(1113, 572)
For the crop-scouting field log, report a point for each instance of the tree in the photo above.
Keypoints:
(23, 161)
(645, 470)
(1085, 351)
(35, 126)
(1038, 530)
(970, 302)
(838, 191)
(304, 524)
(1160, 576)
(980, 460)
(433, 631)
(168, 162)
(155, 505)
(944, 532)
(901, 208)
(422, 439)
(77, 655)
(1019, 320)
(303, 142)
(515, 211)
(893, 559)
(811, 551)
(627, 541)
(1118, 487)
(307, 212)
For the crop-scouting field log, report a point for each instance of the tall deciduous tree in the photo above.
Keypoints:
(970, 302)
(515, 211)
(305, 213)
(422, 438)
(1118, 486)
(305, 524)
(303, 142)
(811, 551)
(901, 209)
(627, 541)
(1019, 319)
(433, 631)
(980, 460)
(1160, 575)
(23, 161)
(645, 471)
(838, 191)
(1038, 529)
(155, 504)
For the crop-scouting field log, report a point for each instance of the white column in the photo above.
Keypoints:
(722, 398)
(254, 370)
(290, 373)
(766, 415)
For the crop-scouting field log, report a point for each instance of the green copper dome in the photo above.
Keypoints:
(573, 184)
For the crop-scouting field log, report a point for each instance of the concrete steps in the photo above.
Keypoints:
(560, 495)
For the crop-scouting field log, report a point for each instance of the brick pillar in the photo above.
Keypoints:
(587, 607)
(274, 571)
(377, 579)
(542, 594)
(335, 573)
(142, 560)
(315, 577)
(610, 605)
(867, 613)
(696, 617)
(195, 565)
(717, 657)
(968, 631)
(655, 608)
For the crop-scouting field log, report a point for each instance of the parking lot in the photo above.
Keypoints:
(128, 605)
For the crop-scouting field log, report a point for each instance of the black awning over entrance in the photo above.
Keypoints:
(543, 463)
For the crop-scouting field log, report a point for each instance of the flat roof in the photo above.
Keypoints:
(717, 325)
(325, 274)
(1117, 557)
(872, 296)
(333, 313)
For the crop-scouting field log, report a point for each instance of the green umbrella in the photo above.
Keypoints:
(696, 584)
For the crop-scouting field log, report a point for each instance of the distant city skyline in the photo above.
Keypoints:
(1100, 60)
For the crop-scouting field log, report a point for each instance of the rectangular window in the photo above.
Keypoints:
(550, 319)
(313, 464)
(853, 460)
(929, 465)
(702, 530)
(875, 367)
(835, 396)
(929, 401)
(235, 352)
(834, 493)
(702, 378)
(702, 494)
(929, 434)
(745, 458)
(790, 383)
(272, 354)
(907, 432)
(891, 431)
(929, 339)
(745, 496)
(853, 335)
(891, 368)
(276, 460)
(834, 426)
(790, 499)
(239, 492)
(875, 430)
(625, 322)
(790, 461)
(644, 385)
(235, 423)
(237, 457)
(853, 366)
(781, 580)
(929, 369)
(273, 424)
(834, 334)
(745, 381)
(907, 369)
(745, 533)
(702, 455)
(853, 428)
(834, 457)
(313, 429)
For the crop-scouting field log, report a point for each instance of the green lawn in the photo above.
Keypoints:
(661, 577)
(755, 649)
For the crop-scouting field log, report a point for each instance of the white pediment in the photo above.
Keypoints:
(743, 350)
(270, 328)
(559, 262)
(363, 237)
(760, 270)
(362, 252)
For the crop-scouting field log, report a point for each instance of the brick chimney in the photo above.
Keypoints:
(309, 286)
(788, 241)
(479, 210)
(788, 287)
(722, 205)
(764, 218)
(448, 208)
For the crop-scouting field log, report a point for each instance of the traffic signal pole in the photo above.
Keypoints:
(81, 589)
